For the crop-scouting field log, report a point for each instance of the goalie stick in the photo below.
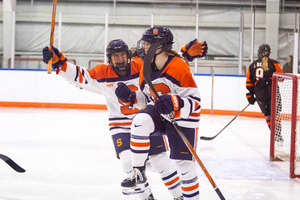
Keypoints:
(211, 138)
(147, 76)
(12, 164)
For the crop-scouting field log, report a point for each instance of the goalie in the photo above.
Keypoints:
(259, 85)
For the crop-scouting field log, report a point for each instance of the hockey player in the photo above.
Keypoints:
(103, 79)
(180, 97)
(259, 84)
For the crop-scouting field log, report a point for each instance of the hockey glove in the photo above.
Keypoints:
(125, 94)
(194, 49)
(168, 103)
(58, 58)
(251, 98)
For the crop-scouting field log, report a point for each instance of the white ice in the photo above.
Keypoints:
(68, 155)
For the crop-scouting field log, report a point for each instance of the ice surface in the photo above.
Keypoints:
(68, 155)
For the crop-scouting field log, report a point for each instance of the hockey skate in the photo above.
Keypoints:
(136, 183)
(131, 190)
(179, 198)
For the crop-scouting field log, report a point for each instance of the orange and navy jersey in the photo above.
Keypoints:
(176, 78)
(255, 73)
(103, 80)
(137, 60)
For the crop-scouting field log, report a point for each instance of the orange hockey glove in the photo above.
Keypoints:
(194, 49)
(168, 103)
(58, 58)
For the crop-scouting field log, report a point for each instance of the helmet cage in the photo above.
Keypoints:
(140, 49)
(116, 46)
(264, 50)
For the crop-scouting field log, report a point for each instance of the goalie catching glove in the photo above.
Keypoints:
(125, 94)
(168, 103)
(58, 58)
(194, 49)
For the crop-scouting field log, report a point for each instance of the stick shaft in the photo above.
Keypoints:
(52, 33)
(211, 138)
(193, 152)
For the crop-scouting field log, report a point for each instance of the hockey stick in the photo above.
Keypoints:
(211, 138)
(147, 77)
(11, 163)
(52, 34)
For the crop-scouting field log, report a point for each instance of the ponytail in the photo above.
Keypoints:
(265, 63)
(174, 53)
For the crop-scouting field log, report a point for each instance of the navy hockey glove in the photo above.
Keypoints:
(168, 103)
(251, 98)
(125, 94)
(58, 58)
(194, 49)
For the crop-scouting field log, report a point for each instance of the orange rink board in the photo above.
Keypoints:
(103, 107)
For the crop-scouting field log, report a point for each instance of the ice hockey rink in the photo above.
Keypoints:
(68, 155)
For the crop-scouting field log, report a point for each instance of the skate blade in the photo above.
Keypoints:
(132, 190)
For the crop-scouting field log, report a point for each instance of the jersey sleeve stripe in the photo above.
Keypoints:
(77, 74)
(195, 98)
(80, 76)
(191, 105)
(197, 106)
(173, 80)
(196, 114)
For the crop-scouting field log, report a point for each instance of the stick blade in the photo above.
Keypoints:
(206, 138)
(12, 164)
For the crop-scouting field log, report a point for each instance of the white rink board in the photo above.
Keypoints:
(38, 86)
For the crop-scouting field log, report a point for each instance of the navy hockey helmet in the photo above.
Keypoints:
(159, 34)
(116, 46)
(264, 50)
(156, 34)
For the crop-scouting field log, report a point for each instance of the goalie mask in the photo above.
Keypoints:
(120, 62)
(155, 34)
(264, 50)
